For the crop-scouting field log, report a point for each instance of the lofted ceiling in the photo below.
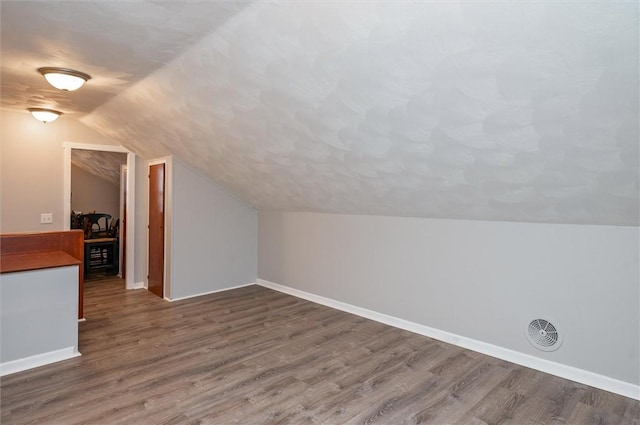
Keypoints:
(105, 165)
(517, 111)
(117, 43)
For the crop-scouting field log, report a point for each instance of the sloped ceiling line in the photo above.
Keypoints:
(524, 111)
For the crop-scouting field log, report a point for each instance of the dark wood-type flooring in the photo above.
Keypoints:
(255, 356)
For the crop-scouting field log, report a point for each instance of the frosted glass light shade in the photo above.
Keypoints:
(44, 115)
(64, 78)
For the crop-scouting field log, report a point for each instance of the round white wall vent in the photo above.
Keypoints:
(543, 334)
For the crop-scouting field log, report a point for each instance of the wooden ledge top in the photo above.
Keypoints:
(10, 263)
(90, 241)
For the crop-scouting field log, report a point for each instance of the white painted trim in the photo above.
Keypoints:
(131, 220)
(84, 319)
(121, 200)
(209, 292)
(156, 161)
(568, 372)
(131, 195)
(93, 147)
(138, 285)
(38, 360)
(168, 225)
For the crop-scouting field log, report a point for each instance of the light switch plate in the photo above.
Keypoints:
(46, 218)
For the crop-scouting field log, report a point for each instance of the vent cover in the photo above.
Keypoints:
(543, 334)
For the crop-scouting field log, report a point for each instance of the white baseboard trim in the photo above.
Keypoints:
(138, 285)
(84, 319)
(568, 372)
(19, 365)
(209, 292)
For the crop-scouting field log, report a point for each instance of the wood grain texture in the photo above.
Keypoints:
(21, 243)
(32, 251)
(155, 252)
(255, 356)
(36, 261)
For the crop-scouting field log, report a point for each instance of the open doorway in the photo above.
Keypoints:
(114, 163)
(97, 206)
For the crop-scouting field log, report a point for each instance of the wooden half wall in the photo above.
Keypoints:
(34, 251)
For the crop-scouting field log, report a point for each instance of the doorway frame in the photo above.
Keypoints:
(124, 171)
(130, 218)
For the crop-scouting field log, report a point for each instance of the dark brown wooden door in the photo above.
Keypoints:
(156, 229)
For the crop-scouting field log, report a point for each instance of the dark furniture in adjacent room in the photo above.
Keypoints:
(101, 254)
(95, 225)
(101, 243)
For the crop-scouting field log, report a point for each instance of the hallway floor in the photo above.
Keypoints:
(255, 356)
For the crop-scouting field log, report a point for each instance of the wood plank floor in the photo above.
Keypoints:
(255, 356)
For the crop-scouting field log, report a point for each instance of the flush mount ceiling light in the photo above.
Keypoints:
(44, 115)
(64, 78)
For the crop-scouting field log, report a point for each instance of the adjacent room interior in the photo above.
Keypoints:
(98, 195)
(320, 212)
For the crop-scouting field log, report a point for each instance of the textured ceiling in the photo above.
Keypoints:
(105, 165)
(524, 111)
(116, 42)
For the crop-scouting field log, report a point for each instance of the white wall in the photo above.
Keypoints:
(214, 236)
(481, 280)
(92, 193)
(32, 176)
(32, 169)
(39, 312)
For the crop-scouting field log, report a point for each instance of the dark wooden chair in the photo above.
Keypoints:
(95, 225)
(76, 222)
(100, 243)
(114, 229)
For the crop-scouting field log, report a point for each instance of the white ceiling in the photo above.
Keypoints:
(117, 43)
(105, 165)
(523, 111)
